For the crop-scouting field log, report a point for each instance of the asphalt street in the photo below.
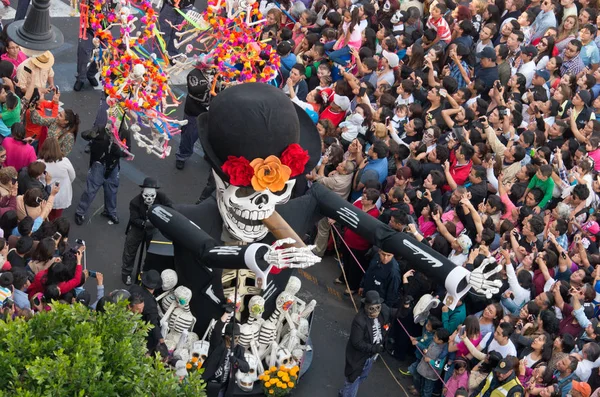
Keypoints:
(334, 312)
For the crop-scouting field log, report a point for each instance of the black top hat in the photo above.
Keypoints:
(372, 298)
(232, 328)
(255, 120)
(150, 182)
(151, 279)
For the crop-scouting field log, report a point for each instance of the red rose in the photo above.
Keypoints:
(296, 158)
(239, 170)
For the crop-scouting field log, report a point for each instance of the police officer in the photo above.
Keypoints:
(169, 14)
(86, 66)
(503, 381)
(196, 103)
(383, 276)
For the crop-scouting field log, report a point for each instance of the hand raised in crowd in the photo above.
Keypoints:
(55, 190)
(48, 177)
(408, 274)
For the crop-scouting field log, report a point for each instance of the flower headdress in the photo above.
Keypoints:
(270, 173)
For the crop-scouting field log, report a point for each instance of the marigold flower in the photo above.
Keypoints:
(290, 384)
(270, 174)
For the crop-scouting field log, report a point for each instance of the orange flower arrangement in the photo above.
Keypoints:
(271, 173)
(278, 382)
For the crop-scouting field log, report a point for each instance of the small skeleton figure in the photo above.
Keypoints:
(245, 380)
(169, 281)
(127, 24)
(297, 338)
(270, 330)
(179, 317)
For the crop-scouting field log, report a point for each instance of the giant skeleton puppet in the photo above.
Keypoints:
(250, 136)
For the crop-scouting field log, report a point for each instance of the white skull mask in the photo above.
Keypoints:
(397, 17)
(200, 350)
(293, 285)
(245, 380)
(386, 6)
(243, 208)
(149, 194)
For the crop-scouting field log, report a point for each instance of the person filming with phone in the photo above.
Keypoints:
(32, 204)
(62, 175)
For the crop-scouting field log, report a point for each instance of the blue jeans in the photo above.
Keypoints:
(22, 7)
(84, 54)
(351, 388)
(168, 13)
(95, 179)
(189, 136)
(423, 385)
(341, 56)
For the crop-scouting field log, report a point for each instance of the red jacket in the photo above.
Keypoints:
(39, 282)
(355, 241)
(459, 173)
(335, 118)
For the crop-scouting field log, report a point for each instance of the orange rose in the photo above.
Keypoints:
(269, 174)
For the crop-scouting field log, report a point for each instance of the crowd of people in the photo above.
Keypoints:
(475, 128)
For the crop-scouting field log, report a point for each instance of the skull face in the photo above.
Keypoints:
(256, 306)
(200, 350)
(245, 380)
(293, 285)
(183, 295)
(149, 195)
(243, 208)
(169, 279)
(373, 310)
(397, 17)
(284, 357)
(285, 301)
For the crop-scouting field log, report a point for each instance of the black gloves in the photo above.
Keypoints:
(379, 348)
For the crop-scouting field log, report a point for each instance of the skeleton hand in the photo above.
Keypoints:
(479, 279)
(291, 257)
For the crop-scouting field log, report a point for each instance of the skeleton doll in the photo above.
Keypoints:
(245, 380)
(270, 330)
(178, 318)
(250, 330)
(169, 281)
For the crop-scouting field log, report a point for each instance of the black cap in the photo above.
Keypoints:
(585, 96)
(506, 365)
(151, 279)
(232, 328)
(84, 298)
(487, 52)
(530, 50)
(150, 182)
(372, 298)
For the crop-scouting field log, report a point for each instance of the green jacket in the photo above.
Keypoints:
(546, 186)
(453, 318)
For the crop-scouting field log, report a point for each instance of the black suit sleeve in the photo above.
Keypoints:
(137, 217)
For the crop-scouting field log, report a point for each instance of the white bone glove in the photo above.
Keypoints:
(479, 278)
(291, 257)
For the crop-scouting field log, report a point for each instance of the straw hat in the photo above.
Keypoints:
(44, 61)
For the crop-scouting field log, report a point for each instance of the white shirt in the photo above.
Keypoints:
(507, 350)
(527, 70)
(63, 173)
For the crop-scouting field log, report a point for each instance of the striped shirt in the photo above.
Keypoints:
(442, 28)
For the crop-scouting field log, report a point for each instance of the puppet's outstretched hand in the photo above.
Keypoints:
(291, 257)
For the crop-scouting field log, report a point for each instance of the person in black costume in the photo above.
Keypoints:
(139, 228)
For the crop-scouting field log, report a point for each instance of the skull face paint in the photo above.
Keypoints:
(373, 310)
(386, 6)
(149, 195)
(243, 208)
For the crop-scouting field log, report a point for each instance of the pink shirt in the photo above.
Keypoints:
(18, 154)
(595, 155)
(20, 58)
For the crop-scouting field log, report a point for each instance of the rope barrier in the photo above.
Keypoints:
(355, 308)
